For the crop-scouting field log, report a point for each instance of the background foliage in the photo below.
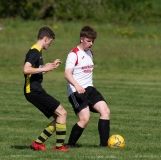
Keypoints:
(116, 11)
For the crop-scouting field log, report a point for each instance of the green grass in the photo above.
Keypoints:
(127, 73)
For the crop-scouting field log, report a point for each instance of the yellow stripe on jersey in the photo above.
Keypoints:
(35, 46)
(28, 83)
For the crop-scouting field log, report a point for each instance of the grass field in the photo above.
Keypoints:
(127, 73)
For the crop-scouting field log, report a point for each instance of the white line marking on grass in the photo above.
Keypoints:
(22, 156)
(118, 157)
(145, 156)
(101, 157)
(96, 157)
(145, 134)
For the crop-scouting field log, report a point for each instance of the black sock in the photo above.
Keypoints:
(104, 131)
(75, 134)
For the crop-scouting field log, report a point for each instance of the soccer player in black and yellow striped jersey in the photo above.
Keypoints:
(33, 70)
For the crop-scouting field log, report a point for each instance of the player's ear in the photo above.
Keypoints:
(81, 39)
(45, 39)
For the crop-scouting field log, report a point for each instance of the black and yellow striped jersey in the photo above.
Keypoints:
(33, 81)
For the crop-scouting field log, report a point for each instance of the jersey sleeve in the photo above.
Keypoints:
(32, 56)
(71, 60)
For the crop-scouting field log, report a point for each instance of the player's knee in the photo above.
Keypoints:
(84, 120)
(64, 113)
(108, 111)
(105, 113)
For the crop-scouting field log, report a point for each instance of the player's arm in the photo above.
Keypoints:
(69, 77)
(55, 63)
(70, 64)
(28, 69)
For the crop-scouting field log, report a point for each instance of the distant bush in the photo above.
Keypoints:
(115, 11)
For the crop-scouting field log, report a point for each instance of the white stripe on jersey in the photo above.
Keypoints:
(82, 71)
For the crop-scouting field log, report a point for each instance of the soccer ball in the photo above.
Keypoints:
(116, 141)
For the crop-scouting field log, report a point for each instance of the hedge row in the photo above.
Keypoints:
(118, 11)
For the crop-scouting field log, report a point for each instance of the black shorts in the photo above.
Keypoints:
(43, 101)
(89, 98)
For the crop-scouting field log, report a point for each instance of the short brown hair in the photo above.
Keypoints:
(45, 32)
(88, 32)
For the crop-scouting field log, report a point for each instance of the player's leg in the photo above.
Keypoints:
(104, 121)
(58, 125)
(38, 144)
(35, 99)
(47, 105)
(60, 115)
(47, 132)
(84, 116)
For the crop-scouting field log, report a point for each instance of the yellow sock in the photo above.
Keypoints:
(60, 134)
(48, 131)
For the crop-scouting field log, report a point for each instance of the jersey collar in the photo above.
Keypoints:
(35, 46)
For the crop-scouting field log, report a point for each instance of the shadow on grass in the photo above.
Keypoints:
(20, 147)
(88, 146)
(77, 146)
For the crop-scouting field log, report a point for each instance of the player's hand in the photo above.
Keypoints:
(57, 62)
(49, 67)
(80, 89)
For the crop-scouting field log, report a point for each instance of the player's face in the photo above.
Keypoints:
(86, 43)
(47, 42)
